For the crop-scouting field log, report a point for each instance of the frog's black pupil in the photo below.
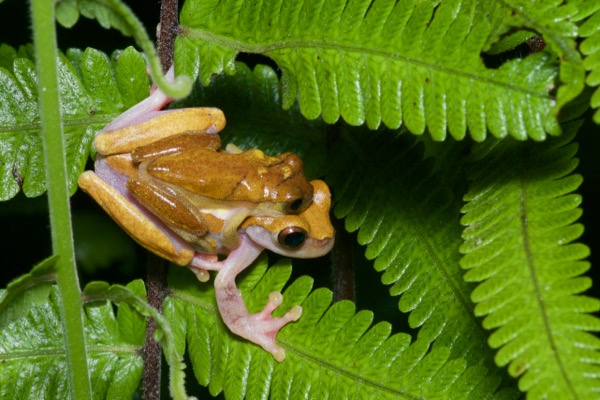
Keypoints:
(295, 206)
(294, 239)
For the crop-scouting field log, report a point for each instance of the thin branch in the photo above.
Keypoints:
(343, 283)
(156, 267)
(169, 25)
(156, 286)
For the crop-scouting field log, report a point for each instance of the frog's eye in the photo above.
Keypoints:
(297, 206)
(292, 237)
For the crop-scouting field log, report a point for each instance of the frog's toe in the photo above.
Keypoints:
(201, 274)
(264, 327)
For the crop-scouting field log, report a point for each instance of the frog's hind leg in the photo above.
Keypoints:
(174, 210)
(143, 228)
(140, 130)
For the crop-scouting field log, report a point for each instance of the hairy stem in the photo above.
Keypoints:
(155, 286)
(156, 267)
(44, 40)
(169, 25)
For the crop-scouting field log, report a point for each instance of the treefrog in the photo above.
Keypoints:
(158, 157)
(161, 176)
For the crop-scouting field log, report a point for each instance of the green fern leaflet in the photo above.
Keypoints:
(518, 242)
(416, 63)
(331, 344)
(32, 350)
(93, 91)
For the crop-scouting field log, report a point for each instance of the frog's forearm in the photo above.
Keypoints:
(260, 328)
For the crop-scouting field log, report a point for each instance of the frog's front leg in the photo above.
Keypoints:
(260, 328)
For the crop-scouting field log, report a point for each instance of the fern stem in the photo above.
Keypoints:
(155, 285)
(155, 266)
(44, 39)
(169, 24)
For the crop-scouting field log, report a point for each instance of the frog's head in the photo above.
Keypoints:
(306, 235)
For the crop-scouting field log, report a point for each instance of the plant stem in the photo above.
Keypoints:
(156, 267)
(155, 286)
(169, 25)
(44, 39)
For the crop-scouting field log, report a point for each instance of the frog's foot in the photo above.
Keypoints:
(261, 328)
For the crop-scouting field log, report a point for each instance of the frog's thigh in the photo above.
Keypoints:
(171, 208)
(165, 124)
(132, 220)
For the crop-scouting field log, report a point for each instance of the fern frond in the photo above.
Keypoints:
(93, 92)
(68, 12)
(32, 350)
(330, 344)
(518, 242)
(410, 226)
(590, 29)
(27, 291)
(395, 62)
(555, 22)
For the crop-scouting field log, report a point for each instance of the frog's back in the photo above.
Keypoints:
(247, 176)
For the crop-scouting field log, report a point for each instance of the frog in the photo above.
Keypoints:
(155, 154)
(208, 228)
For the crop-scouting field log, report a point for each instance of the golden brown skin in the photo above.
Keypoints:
(248, 176)
(186, 120)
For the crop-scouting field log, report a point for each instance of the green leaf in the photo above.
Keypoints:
(330, 344)
(555, 21)
(590, 47)
(416, 63)
(32, 350)
(67, 14)
(510, 41)
(90, 98)
(408, 219)
(27, 291)
(519, 243)
(7, 56)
